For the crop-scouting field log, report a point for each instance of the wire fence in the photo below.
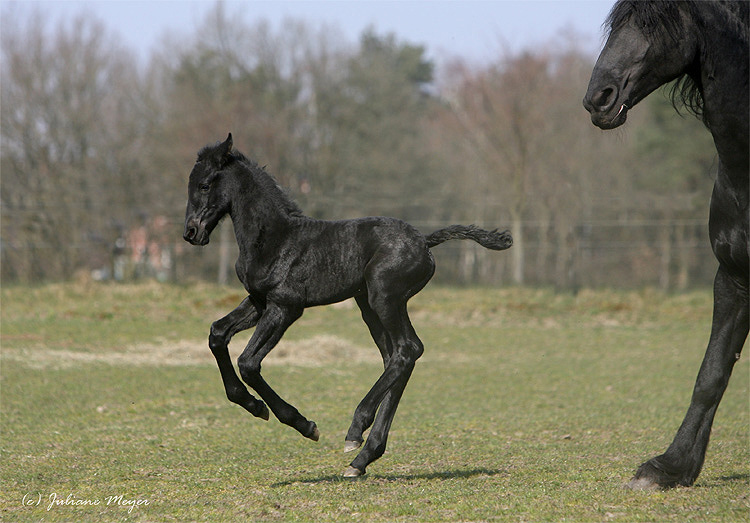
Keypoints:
(671, 254)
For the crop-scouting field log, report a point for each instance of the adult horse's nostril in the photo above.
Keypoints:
(604, 99)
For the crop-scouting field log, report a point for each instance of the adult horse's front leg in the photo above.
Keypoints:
(245, 316)
(683, 460)
(271, 327)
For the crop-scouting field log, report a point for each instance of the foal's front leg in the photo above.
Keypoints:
(245, 316)
(271, 327)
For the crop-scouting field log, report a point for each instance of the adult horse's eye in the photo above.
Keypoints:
(204, 187)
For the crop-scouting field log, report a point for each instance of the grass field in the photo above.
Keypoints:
(526, 406)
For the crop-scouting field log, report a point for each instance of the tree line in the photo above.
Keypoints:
(97, 146)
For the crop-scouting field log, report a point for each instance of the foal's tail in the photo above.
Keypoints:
(497, 241)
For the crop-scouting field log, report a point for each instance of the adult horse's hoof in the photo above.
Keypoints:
(653, 476)
(351, 445)
(353, 472)
(642, 484)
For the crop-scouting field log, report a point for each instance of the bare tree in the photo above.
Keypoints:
(92, 145)
(69, 135)
(533, 156)
(499, 109)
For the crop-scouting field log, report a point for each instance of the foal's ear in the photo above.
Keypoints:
(225, 150)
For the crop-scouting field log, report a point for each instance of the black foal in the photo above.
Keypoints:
(289, 262)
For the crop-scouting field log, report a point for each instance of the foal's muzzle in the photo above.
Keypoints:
(195, 233)
(190, 234)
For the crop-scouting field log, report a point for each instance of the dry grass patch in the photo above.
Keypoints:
(317, 351)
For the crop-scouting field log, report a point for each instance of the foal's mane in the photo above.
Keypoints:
(660, 18)
(277, 195)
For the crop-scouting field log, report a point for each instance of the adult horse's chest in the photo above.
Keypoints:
(728, 226)
(730, 212)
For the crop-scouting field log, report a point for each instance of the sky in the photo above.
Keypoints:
(474, 30)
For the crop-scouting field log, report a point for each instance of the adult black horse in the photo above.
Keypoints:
(704, 46)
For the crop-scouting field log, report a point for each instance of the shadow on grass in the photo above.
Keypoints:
(448, 474)
(721, 480)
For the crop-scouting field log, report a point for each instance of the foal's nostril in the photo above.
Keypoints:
(190, 233)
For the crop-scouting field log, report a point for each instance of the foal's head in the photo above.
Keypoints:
(223, 180)
(209, 193)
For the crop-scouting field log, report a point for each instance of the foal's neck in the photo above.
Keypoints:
(259, 222)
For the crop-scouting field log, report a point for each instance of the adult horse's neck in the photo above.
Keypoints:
(724, 80)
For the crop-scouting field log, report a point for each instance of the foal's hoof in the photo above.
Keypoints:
(351, 445)
(315, 433)
(261, 411)
(353, 472)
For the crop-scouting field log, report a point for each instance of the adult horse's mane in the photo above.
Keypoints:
(662, 21)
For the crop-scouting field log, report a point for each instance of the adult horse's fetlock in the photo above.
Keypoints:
(247, 401)
(417, 349)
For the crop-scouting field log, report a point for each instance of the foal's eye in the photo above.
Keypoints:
(204, 187)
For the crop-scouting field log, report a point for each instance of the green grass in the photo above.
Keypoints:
(526, 406)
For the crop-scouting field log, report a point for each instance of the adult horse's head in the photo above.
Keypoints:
(209, 193)
(649, 44)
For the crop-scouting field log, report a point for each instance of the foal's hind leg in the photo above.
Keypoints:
(387, 391)
(354, 438)
(245, 316)
(378, 437)
(271, 327)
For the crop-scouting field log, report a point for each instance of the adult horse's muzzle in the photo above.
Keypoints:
(608, 98)
(606, 108)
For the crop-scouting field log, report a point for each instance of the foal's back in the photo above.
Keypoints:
(335, 260)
